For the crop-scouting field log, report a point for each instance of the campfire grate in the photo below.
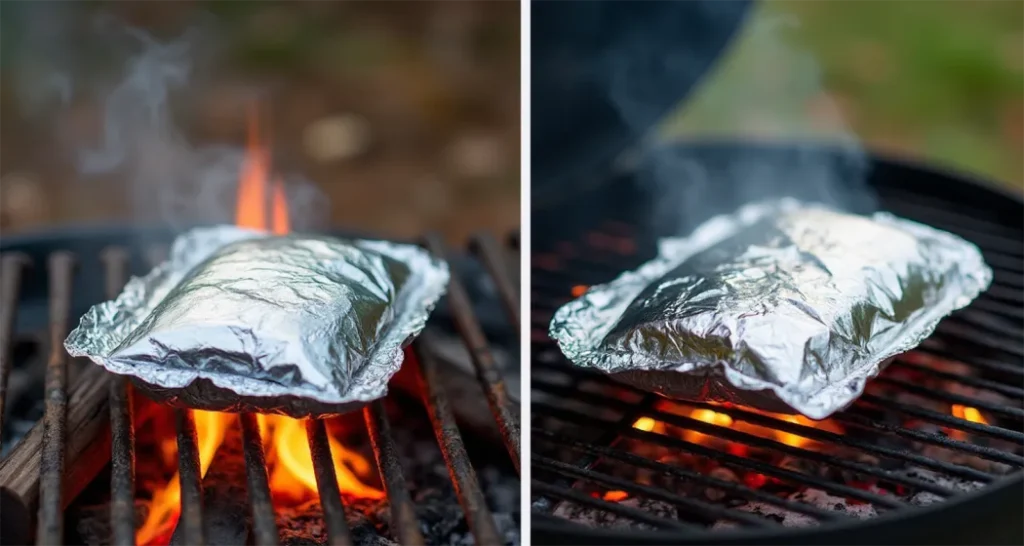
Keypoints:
(54, 470)
(586, 440)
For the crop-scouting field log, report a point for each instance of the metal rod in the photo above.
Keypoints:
(483, 359)
(190, 477)
(953, 398)
(732, 487)
(327, 483)
(725, 433)
(403, 513)
(970, 380)
(51, 469)
(10, 275)
(263, 522)
(122, 429)
(467, 488)
(980, 363)
(943, 418)
(490, 253)
(709, 512)
(743, 463)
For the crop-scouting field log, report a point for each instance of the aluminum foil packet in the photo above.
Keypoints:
(239, 320)
(782, 306)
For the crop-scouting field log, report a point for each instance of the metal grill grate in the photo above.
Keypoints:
(404, 526)
(586, 441)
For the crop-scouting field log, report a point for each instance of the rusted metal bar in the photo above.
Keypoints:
(467, 488)
(10, 275)
(327, 483)
(190, 477)
(263, 523)
(51, 471)
(122, 429)
(483, 359)
(494, 261)
(403, 512)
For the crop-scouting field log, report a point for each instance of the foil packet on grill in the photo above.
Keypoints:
(783, 306)
(239, 320)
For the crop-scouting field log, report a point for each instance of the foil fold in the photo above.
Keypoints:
(239, 320)
(783, 306)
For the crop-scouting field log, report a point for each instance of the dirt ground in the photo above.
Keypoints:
(405, 115)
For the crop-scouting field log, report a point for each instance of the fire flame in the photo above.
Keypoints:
(285, 445)
(968, 414)
(648, 424)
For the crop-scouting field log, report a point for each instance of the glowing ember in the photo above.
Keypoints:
(579, 289)
(616, 496)
(969, 414)
(645, 424)
(290, 465)
(708, 416)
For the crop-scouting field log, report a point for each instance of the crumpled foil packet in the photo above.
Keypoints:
(238, 320)
(781, 306)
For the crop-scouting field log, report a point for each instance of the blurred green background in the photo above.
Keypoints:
(404, 113)
(938, 80)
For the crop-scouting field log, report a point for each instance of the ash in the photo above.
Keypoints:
(601, 519)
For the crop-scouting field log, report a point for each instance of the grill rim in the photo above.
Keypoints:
(997, 501)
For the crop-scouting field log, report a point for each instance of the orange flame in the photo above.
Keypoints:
(164, 509)
(724, 420)
(616, 496)
(579, 289)
(284, 439)
(251, 210)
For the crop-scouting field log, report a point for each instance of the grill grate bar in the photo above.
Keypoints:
(264, 526)
(1003, 294)
(51, 469)
(952, 398)
(944, 215)
(486, 367)
(942, 418)
(190, 478)
(977, 382)
(732, 487)
(708, 511)
(635, 514)
(467, 488)
(949, 420)
(987, 365)
(743, 463)
(979, 337)
(403, 512)
(122, 429)
(338, 533)
(11, 266)
(1012, 312)
(985, 452)
(725, 433)
(841, 439)
(988, 322)
(485, 246)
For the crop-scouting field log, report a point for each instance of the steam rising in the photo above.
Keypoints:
(171, 181)
(761, 92)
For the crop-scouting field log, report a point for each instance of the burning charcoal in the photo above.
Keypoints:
(724, 474)
(93, 522)
(593, 517)
(821, 499)
(770, 511)
(781, 306)
(238, 320)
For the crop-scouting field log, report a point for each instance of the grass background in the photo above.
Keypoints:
(941, 80)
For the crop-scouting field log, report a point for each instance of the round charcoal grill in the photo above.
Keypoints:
(931, 454)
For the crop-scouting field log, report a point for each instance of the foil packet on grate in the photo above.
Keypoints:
(238, 320)
(782, 306)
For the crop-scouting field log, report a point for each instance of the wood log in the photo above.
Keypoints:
(86, 452)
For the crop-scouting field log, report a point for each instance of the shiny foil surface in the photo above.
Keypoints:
(238, 320)
(782, 306)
